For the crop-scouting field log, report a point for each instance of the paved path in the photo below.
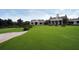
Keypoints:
(7, 36)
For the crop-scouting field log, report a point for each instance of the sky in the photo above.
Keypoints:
(29, 14)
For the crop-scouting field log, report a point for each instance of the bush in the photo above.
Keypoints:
(25, 28)
(30, 26)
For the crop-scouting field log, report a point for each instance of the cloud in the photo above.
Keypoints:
(29, 14)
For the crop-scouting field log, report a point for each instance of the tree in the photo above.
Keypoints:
(1, 22)
(27, 23)
(5, 23)
(9, 22)
(65, 20)
(20, 22)
(47, 22)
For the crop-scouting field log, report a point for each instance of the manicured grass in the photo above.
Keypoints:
(46, 38)
(4, 30)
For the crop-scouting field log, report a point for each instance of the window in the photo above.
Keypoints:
(40, 23)
(36, 23)
(70, 23)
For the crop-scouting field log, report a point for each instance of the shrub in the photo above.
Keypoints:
(30, 26)
(25, 28)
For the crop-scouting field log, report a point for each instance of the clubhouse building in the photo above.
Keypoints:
(58, 20)
(37, 22)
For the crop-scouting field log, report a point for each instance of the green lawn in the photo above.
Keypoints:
(4, 30)
(46, 38)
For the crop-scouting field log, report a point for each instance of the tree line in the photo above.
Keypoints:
(4, 23)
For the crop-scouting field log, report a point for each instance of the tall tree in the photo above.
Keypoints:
(20, 22)
(9, 22)
(65, 20)
(1, 22)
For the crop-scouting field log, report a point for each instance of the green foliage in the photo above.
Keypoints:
(25, 28)
(65, 21)
(8, 23)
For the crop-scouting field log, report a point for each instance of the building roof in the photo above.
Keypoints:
(74, 19)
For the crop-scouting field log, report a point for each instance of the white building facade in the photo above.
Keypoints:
(74, 21)
(37, 22)
(58, 20)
